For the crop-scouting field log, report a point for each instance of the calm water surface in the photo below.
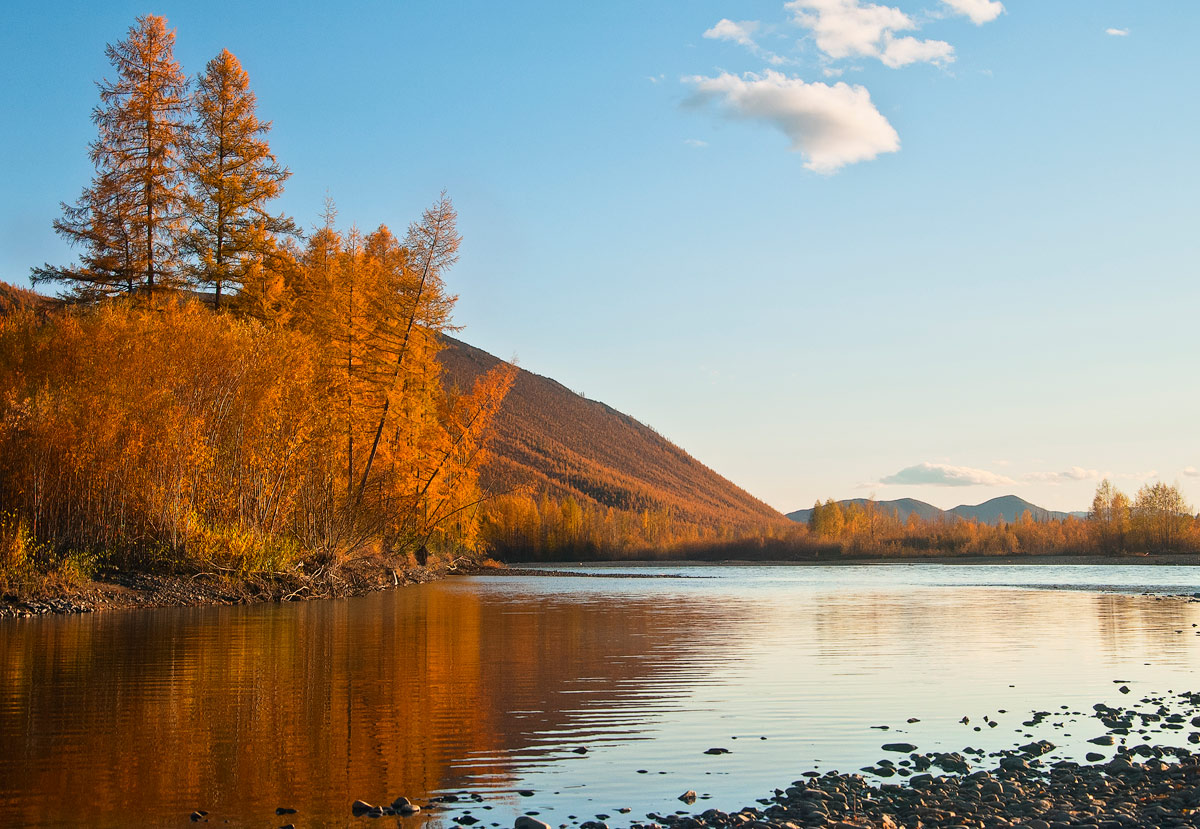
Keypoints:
(493, 685)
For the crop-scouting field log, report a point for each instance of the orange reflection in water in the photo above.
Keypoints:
(141, 717)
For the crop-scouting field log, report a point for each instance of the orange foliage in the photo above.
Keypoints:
(308, 423)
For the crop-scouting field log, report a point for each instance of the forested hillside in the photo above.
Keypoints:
(574, 476)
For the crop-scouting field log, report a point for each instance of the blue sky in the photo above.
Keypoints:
(939, 249)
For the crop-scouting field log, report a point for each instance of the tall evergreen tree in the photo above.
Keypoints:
(127, 221)
(233, 175)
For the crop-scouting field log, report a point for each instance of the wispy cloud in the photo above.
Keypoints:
(695, 142)
(832, 126)
(1075, 473)
(1117, 32)
(979, 11)
(943, 474)
(851, 28)
(743, 33)
(1191, 472)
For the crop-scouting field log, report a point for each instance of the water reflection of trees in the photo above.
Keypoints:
(144, 716)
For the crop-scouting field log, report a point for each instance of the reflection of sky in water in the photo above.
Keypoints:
(491, 684)
(811, 658)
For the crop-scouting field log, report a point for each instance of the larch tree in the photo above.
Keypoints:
(414, 302)
(233, 175)
(128, 220)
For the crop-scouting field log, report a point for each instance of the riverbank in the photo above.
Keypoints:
(123, 590)
(1142, 560)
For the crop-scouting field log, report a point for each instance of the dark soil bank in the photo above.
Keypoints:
(120, 590)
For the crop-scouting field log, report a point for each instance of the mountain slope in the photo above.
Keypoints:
(564, 444)
(1006, 508)
(13, 298)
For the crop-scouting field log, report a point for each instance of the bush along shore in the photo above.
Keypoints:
(1126, 782)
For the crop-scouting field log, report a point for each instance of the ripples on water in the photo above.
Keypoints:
(489, 685)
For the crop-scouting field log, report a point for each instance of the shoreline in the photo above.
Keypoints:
(123, 590)
(1147, 560)
(117, 590)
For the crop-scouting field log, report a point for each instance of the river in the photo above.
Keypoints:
(570, 697)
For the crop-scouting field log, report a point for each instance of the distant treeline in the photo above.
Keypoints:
(1156, 520)
(214, 390)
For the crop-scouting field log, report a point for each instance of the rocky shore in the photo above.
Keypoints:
(1126, 782)
(1146, 787)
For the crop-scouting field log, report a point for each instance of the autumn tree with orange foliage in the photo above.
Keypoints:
(307, 425)
(128, 220)
(232, 176)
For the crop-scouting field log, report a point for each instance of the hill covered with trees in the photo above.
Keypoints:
(573, 477)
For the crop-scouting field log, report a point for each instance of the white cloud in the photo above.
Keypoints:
(851, 28)
(1075, 473)
(741, 33)
(1191, 472)
(695, 142)
(832, 126)
(942, 474)
(901, 51)
(1117, 32)
(979, 11)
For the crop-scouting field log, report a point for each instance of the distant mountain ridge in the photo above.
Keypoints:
(1006, 508)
